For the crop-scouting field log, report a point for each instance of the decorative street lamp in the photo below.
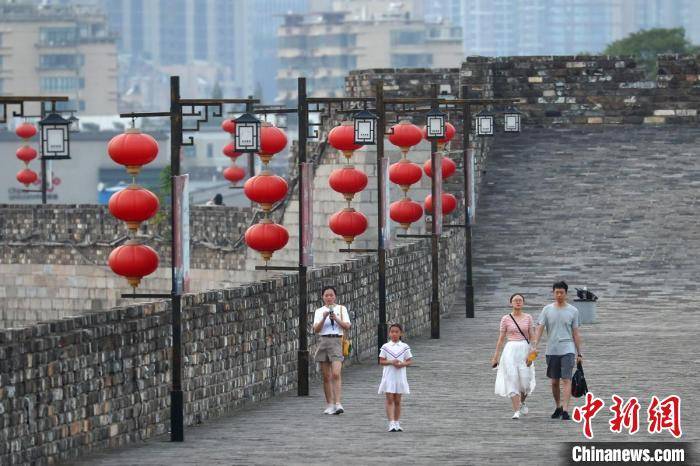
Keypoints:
(74, 123)
(435, 124)
(511, 120)
(55, 139)
(365, 126)
(246, 136)
(484, 123)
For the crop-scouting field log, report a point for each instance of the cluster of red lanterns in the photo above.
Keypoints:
(348, 181)
(133, 205)
(449, 202)
(26, 153)
(266, 189)
(405, 173)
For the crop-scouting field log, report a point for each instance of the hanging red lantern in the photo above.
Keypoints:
(450, 132)
(448, 167)
(134, 261)
(449, 203)
(348, 223)
(405, 173)
(133, 205)
(405, 135)
(234, 173)
(133, 149)
(272, 141)
(27, 177)
(25, 131)
(348, 181)
(342, 138)
(26, 154)
(230, 152)
(265, 189)
(229, 126)
(266, 238)
(405, 212)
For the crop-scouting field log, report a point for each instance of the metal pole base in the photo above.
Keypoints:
(303, 373)
(177, 409)
(435, 319)
(382, 337)
(469, 301)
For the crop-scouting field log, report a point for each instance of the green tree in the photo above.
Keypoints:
(645, 45)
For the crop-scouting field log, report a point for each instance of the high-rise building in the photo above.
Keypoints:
(566, 27)
(58, 50)
(324, 46)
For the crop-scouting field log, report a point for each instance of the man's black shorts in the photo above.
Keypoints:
(560, 366)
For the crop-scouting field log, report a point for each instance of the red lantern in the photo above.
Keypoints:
(449, 203)
(448, 168)
(230, 152)
(348, 181)
(266, 238)
(25, 131)
(229, 126)
(450, 132)
(266, 189)
(405, 135)
(272, 141)
(133, 149)
(405, 173)
(348, 223)
(27, 177)
(134, 261)
(133, 205)
(26, 154)
(234, 173)
(405, 212)
(342, 138)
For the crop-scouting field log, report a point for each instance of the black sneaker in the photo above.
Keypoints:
(557, 413)
(565, 416)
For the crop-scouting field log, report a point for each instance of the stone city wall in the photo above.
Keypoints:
(54, 257)
(102, 379)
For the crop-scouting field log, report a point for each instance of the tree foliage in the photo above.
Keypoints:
(646, 45)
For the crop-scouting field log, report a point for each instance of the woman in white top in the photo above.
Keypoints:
(515, 379)
(330, 321)
(395, 356)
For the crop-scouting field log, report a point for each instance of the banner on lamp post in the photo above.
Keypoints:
(472, 186)
(181, 233)
(437, 201)
(307, 217)
(384, 221)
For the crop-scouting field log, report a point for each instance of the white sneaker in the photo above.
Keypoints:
(516, 415)
(329, 410)
(338, 409)
(398, 426)
(392, 427)
(524, 409)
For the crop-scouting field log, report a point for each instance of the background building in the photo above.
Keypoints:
(324, 46)
(56, 50)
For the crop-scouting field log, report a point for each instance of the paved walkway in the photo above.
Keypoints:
(614, 210)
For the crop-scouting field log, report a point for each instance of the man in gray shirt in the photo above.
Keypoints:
(563, 344)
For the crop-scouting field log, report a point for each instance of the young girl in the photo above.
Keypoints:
(395, 356)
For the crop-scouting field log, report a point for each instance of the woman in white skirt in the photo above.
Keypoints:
(395, 356)
(515, 379)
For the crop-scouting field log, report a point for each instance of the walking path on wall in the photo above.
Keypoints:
(610, 209)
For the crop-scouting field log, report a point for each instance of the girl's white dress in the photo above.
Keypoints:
(514, 377)
(394, 379)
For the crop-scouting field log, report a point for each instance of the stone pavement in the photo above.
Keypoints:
(612, 209)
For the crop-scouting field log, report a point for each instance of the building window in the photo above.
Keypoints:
(58, 36)
(81, 105)
(61, 84)
(189, 151)
(407, 37)
(411, 60)
(210, 150)
(61, 61)
(1, 85)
